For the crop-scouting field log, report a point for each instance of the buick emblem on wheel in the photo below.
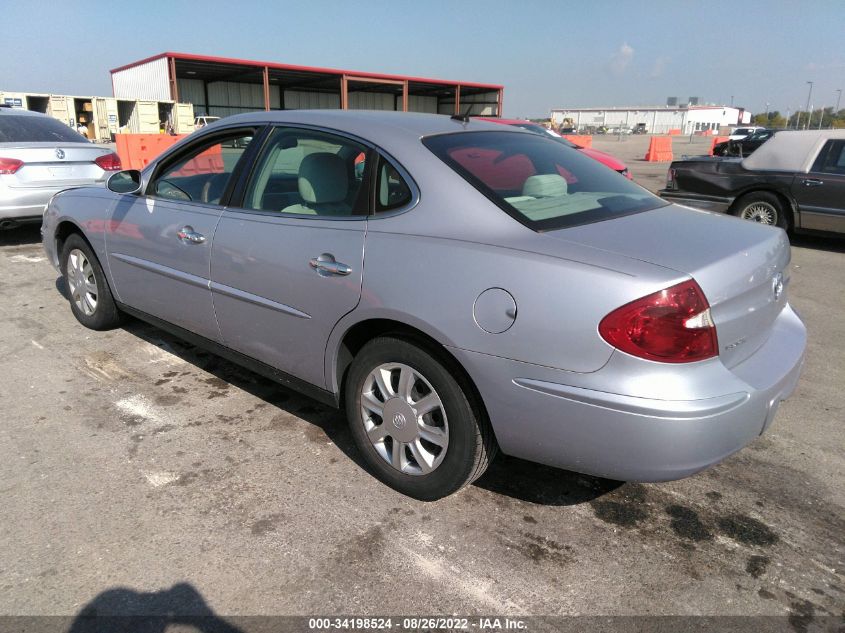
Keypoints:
(399, 421)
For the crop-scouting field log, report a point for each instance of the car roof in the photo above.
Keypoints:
(790, 150)
(381, 127)
(4, 110)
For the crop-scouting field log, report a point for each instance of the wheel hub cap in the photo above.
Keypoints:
(760, 212)
(404, 419)
(81, 282)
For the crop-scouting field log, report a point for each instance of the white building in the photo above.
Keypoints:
(657, 119)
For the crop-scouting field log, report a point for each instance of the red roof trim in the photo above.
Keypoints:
(314, 69)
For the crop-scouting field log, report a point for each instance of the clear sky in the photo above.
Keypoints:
(547, 54)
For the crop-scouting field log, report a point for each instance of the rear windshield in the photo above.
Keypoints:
(36, 129)
(540, 181)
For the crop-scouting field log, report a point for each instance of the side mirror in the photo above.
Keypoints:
(126, 181)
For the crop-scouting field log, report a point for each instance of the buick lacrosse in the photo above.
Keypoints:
(458, 286)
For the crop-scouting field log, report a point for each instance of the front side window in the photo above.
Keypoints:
(204, 173)
(307, 172)
(539, 181)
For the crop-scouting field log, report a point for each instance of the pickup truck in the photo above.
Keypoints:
(796, 181)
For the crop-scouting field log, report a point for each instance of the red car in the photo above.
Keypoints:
(605, 159)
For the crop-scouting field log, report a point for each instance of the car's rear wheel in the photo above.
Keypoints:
(90, 297)
(762, 207)
(417, 424)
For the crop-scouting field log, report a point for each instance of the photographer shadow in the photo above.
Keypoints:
(128, 611)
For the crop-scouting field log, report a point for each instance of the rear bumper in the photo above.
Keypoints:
(626, 423)
(18, 203)
(718, 204)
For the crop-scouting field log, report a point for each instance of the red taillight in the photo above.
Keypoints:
(670, 326)
(109, 162)
(10, 165)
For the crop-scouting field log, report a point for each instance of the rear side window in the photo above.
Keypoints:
(392, 190)
(36, 129)
(308, 172)
(539, 181)
(831, 159)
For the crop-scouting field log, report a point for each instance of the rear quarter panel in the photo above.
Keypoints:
(728, 179)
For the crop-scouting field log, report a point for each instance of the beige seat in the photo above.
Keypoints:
(323, 186)
(545, 186)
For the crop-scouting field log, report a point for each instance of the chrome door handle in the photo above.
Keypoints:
(326, 265)
(812, 182)
(188, 235)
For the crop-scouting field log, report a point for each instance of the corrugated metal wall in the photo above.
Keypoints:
(192, 91)
(479, 109)
(145, 81)
(422, 104)
(225, 98)
(301, 100)
(371, 101)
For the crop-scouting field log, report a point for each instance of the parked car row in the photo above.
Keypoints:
(516, 295)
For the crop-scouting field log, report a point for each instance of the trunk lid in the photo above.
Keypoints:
(43, 166)
(742, 266)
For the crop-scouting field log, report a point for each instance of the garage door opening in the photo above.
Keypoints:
(37, 104)
(84, 111)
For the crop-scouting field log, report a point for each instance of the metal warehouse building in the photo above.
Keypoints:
(657, 119)
(219, 86)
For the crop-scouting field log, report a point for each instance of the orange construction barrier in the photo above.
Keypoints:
(716, 139)
(674, 131)
(137, 150)
(209, 162)
(582, 140)
(659, 150)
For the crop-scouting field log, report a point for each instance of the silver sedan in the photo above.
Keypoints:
(457, 286)
(40, 156)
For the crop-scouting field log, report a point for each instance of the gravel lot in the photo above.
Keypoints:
(140, 474)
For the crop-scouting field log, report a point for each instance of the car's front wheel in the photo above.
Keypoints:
(762, 207)
(416, 422)
(89, 294)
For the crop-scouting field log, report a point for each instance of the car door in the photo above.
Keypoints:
(288, 254)
(159, 243)
(820, 193)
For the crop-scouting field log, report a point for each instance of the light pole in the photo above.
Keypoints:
(809, 114)
(821, 116)
(787, 118)
(767, 114)
(838, 96)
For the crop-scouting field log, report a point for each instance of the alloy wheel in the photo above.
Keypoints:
(761, 212)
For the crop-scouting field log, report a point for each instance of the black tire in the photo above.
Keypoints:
(471, 444)
(758, 205)
(105, 314)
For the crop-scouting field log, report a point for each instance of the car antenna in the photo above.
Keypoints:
(463, 118)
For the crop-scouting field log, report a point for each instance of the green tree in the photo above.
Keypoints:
(772, 119)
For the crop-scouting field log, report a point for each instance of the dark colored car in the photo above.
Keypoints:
(743, 147)
(796, 181)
